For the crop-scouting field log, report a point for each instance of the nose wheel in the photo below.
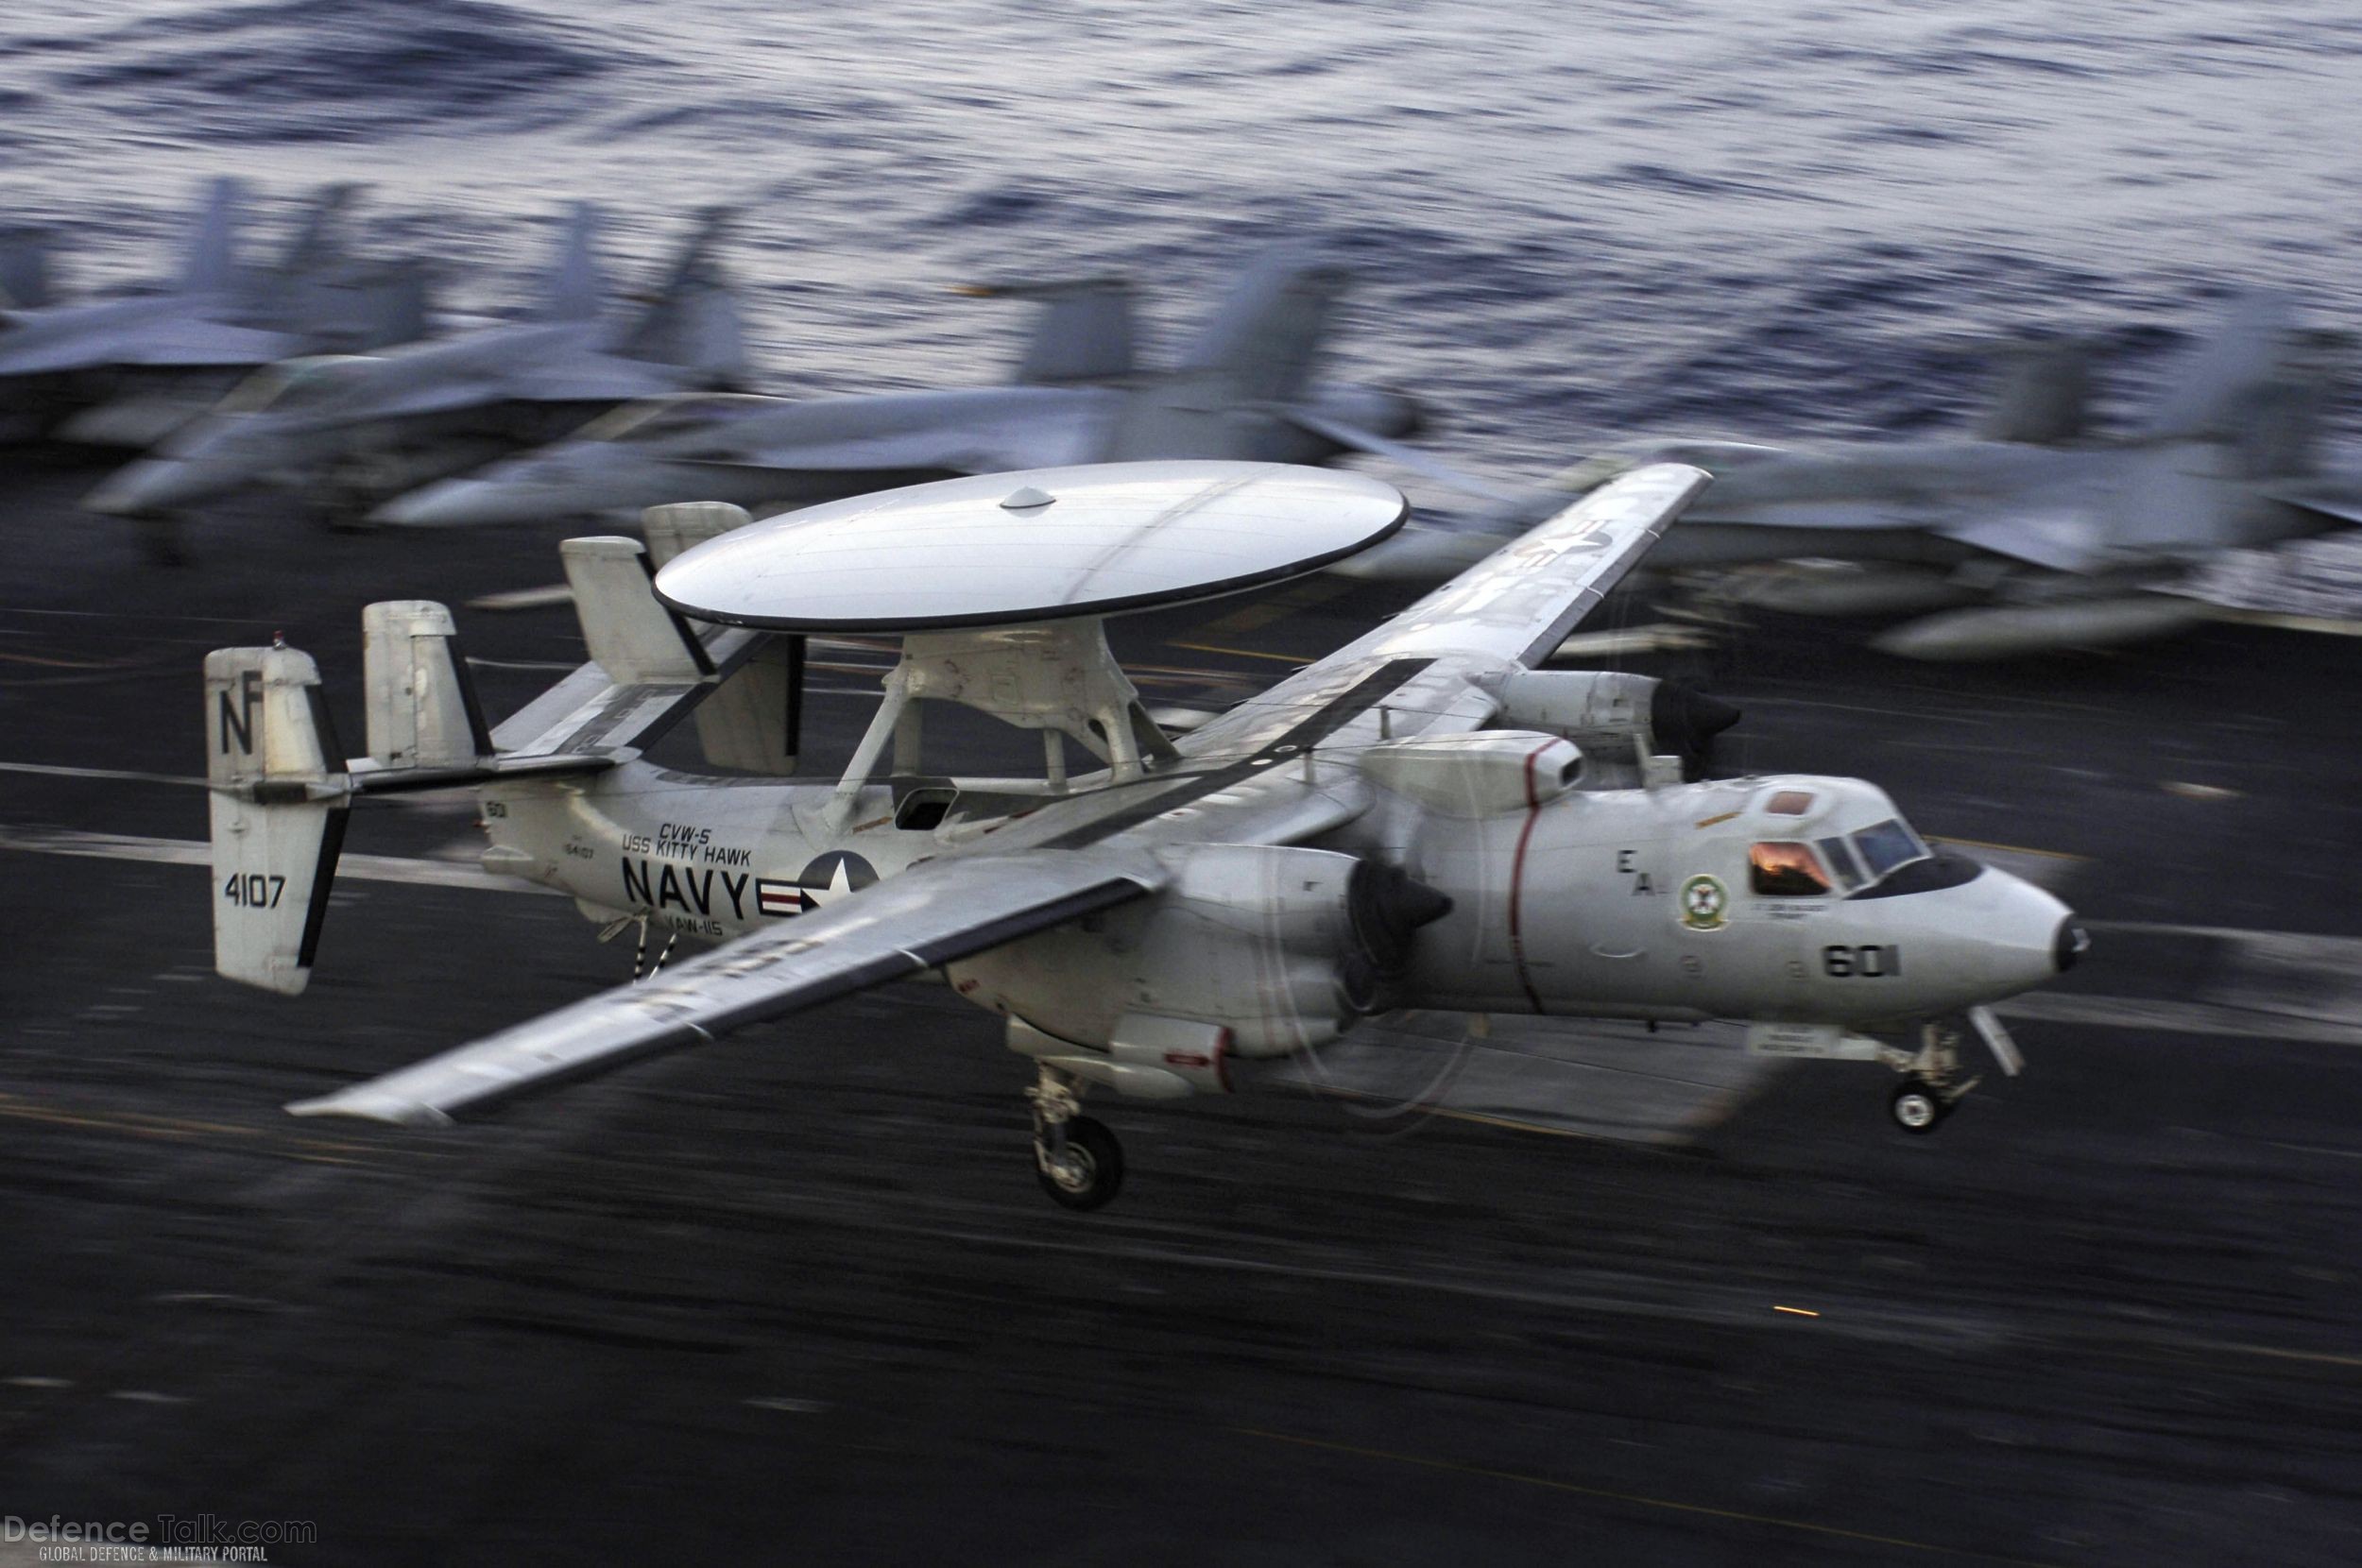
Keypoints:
(1931, 1083)
(1077, 1160)
(1918, 1106)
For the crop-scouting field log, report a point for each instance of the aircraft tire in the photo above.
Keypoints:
(1094, 1174)
(1917, 1106)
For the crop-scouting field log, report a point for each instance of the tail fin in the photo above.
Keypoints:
(692, 319)
(2045, 395)
(754, 720)
(1083, 334)
(2252, 350)
(1265, 339)
(25, 269)
(211, 264)
(278, 799)
(574, 290)
(319, 240)
(422, 707)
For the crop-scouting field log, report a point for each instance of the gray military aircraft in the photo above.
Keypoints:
(1246, 389)
(2031, 535)
(1422, 819)
(123, 371)
(373, 425)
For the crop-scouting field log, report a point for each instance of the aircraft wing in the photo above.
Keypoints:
(932, 914)
(193, 342)
(1354, 438)
(2065, 540)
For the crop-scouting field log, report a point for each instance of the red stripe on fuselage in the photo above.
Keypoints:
(1517, 880)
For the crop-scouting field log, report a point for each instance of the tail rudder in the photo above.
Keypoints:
(573, 289)
(211, 261)
(320, 238)
(692, 318)
(422, 703)
(2043, 397)
(25, 282)
(1266, 338)
(2253, 349)
(278, 799)
(1082, 334)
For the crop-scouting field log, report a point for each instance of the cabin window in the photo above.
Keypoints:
(1887, 845)
(1785, 869)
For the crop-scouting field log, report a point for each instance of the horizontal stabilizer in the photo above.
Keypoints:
(636, 639)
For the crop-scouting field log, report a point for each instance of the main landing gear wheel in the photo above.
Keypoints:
(1918, 1106)
(1084, 1170)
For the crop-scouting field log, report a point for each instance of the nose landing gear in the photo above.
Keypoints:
(1931, 1080)
(1077, 1160)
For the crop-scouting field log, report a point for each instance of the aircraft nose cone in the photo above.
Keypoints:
(2071, 943)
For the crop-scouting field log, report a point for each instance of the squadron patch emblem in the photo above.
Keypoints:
(1704, 903)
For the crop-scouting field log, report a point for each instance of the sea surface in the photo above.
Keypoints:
(1774, 219)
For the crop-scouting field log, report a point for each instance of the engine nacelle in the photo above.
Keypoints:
(1482, 773)
(1619, 721)
(1285, 947)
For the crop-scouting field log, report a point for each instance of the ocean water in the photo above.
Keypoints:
(1775, 218)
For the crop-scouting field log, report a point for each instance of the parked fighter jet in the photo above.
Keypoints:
(150, 360)
(1421, 819)
(379, 424)
(1078, 397)
(2031, 535)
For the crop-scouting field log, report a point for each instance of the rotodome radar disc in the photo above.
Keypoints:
(1037, 545)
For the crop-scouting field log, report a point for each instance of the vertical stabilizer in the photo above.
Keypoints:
(1264, 342)
(2252, 350)
(422, 707)
(211, 264)
(574, 290)
(320, 238)
(277, 797)
(2043, 397)
(693, 320)
(1082, 333)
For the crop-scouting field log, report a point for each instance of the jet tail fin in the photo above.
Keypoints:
(277, 801)
(24, 282)
(320, 239)
(2253, 348)
(211, 262)
(573, 289)
(2045, 395)
(1082, 333)
(753, 721)
(692, 319)
(1265, 339)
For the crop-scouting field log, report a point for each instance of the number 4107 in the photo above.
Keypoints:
(255, 890)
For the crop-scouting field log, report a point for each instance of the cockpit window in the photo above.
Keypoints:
(1789, 803)
(1887, 845)
(1785, 869)
(1840, 855)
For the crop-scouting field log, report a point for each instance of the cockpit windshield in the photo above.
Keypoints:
(1785, 869)
(1889, 845)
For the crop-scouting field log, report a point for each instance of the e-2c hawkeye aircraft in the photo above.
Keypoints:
(1422, 819)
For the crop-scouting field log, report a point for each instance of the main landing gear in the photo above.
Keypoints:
(1077, 1160)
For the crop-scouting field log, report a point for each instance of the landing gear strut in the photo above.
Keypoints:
(1077, 1160)
(1931, 1080)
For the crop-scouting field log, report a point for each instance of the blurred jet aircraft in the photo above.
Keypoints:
(2029, 537)
(151, 360)
(380, 425)
(1245, 390)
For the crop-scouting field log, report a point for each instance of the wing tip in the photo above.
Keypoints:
(366, 1107)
